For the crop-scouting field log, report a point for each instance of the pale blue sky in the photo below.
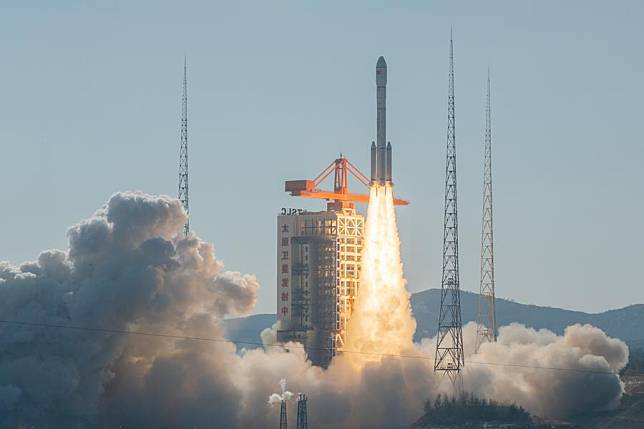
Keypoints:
(90, 106)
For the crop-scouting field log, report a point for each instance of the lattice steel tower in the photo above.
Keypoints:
(486, 327)
(183, 151)
(302, 419)
(449, 356)
(283, 420)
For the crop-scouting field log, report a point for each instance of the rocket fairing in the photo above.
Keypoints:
(381, 150)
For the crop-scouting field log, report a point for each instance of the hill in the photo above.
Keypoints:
(246, 330)
(626, 323)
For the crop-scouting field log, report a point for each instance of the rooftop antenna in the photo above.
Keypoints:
(183, 151)
(486, 326)
(449, 356)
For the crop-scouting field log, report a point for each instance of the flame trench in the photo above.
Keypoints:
(381, 322)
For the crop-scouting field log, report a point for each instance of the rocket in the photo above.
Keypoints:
(381, 149)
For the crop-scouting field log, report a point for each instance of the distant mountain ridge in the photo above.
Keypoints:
(625, 323)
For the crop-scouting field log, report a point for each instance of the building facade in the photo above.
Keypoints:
(318, 272)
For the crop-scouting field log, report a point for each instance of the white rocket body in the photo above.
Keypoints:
(381, 150)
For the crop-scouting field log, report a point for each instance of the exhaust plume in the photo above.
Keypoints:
(381, 322)
(129, 267)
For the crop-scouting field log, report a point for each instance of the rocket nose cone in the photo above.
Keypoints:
(381, 72)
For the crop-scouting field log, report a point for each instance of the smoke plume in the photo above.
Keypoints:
(381, 322)
(285, 395)
(129, 267)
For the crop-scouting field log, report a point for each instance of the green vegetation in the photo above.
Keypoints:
(470, 411)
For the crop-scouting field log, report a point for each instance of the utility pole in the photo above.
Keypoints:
(449, 356)
(486, 326)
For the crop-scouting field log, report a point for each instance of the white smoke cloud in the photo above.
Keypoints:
(130, 267)
(549, 375)
(127, 267)
(275, 398)
(269, 335)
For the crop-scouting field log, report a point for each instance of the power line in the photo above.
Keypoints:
(291, 346)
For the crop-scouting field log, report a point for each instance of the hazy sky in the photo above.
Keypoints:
(91, 100)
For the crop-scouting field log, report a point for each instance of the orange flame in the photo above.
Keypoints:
(381, 321)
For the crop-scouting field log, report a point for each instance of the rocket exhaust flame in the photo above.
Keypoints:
(381, 321)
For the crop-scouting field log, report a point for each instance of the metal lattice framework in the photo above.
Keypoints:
(350, 241)
(183, 151)
(449, 356)
(486, 327)
(302, 419)
(323, 279)
(283, 419)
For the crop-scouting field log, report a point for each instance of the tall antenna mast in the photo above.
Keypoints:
(183, 152)
(486, 327)
(449, 356)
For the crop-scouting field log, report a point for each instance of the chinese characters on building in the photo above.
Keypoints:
(284, 272)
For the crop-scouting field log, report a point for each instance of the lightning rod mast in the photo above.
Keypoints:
(486, 326)
(183, 151)
(449, 356)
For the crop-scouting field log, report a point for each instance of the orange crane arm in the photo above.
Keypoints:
(341, 167)
(358, 198)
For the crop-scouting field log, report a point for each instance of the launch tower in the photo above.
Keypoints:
(318, 272)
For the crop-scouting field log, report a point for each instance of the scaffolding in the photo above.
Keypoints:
(350, 240)
(318, 278)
